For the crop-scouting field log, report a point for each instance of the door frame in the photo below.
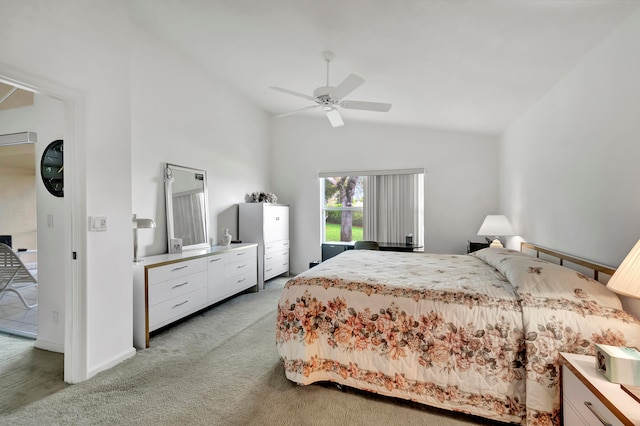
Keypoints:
(75, 331)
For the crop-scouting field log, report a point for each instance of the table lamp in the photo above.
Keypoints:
(496, 225)
(139, 223)
(626, 281)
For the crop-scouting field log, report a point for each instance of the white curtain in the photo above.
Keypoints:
(188, 217)
(393, 208)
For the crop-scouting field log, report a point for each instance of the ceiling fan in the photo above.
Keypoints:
(329, 97)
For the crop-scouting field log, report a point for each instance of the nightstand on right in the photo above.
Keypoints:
(588, 398)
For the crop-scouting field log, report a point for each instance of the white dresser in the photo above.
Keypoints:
(168, 287)
(267, 225)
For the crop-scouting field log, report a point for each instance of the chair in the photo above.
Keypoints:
(366, 245)
(14, 276)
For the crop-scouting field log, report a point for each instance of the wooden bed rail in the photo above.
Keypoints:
(595, 267)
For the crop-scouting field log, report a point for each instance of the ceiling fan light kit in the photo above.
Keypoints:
(329, 97)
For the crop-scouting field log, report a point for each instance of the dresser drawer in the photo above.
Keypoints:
(237, 255)
(580, 403)
(276, 263)
(239, 262)
(159, 292)
(174, 270)
(273, 246)
(276, 258)
(166, 312)
(241, 282)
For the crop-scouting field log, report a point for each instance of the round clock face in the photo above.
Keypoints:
(52, 168)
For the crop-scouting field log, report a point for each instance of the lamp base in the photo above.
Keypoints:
(496, 244)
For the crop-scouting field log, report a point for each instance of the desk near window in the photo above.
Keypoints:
(334, 248)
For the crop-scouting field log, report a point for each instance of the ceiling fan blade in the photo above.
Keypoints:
(334, 117)
(351, 83)
(297, 111)
(290, 92)
(368, 106)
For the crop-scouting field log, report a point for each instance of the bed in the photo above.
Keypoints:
(478, 334)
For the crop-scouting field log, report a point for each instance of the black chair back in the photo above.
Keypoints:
(366, 245)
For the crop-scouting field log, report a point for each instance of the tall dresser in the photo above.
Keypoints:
(268, 225)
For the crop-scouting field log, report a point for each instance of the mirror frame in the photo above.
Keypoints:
(168, 192)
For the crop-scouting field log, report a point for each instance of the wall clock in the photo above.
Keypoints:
(52, 168)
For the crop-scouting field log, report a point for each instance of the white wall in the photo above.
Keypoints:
(182, 116)
(461, 176)
(569, 165)
(83, 48)
(45, 117)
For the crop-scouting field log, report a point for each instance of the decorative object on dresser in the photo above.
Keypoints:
(496, 225)
(268, 225)
(175, 245)
(226, 237)
(261, 197)
(618, 364)
(168, 287)
(590, 399)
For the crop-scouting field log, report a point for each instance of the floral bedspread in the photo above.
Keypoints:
(478, 334)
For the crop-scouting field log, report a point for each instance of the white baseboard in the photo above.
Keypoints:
(49, 346)
(114, 361)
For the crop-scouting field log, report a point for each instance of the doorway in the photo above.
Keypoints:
(58, 229)
(18, 234)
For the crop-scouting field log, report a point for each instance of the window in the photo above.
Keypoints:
(342, 208)
(383, 206)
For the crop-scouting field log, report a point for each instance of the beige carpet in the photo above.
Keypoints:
(218, 368)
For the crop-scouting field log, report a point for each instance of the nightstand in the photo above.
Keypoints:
(588, 398)
(471, 246)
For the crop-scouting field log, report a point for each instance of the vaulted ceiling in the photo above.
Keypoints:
(467, 65)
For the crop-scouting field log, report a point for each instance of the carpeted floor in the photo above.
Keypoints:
(220, 367)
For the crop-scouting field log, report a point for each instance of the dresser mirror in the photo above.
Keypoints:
(187, 206)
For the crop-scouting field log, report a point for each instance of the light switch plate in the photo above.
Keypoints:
(97, 223)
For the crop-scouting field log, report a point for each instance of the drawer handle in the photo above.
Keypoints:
(239, 281)
(215, 260)
(180, 267)
(240, 266)
(179, 304)
(242, 253)
(269, 270)
(180, 285)
(595, 413)
(285, 264)
(269, 258)
(269, 247)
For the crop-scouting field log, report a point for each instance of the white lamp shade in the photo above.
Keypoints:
(496, 225)
(626, 279)
(140, 223)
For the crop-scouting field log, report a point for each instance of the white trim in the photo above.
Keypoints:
(123, 356)
(372, 173)
(76, 342)
(49, 346)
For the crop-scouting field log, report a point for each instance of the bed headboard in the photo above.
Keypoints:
(596, 268)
